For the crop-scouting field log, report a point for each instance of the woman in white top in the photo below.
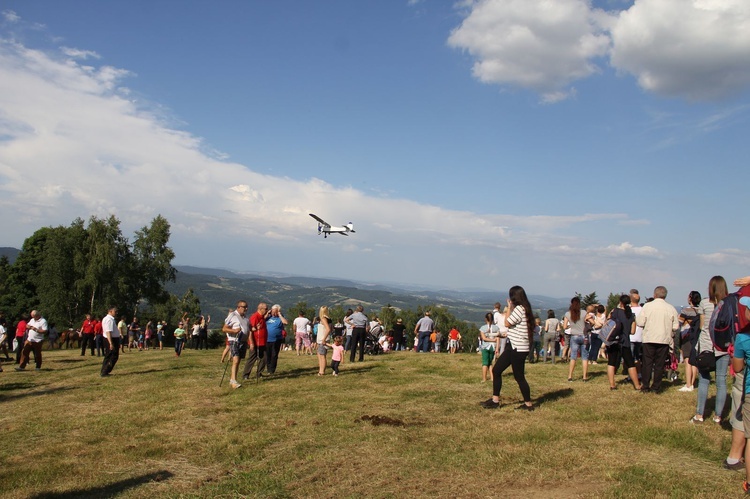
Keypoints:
(489, 334)
(520, 323)
(717, 291)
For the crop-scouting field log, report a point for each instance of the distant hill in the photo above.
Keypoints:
(11, 253)
(219, 289)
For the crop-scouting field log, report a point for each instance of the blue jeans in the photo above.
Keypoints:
(424, 341)
(178, 342)
(577, 348)
(722, 366)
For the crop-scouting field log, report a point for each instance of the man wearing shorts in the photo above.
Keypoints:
(236, 328)
(300, 330)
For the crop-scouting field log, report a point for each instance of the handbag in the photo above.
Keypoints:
(706, 361)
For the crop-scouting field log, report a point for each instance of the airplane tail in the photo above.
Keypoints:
(350, 227)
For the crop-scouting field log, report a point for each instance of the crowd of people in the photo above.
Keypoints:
(648, 339)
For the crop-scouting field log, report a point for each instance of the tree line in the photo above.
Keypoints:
(67, 272)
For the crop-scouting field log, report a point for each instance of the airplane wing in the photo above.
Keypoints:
(343, 234)
(316, 217)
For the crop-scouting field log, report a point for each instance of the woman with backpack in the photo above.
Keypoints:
(625, 319)
(717, 291)
(689, 337)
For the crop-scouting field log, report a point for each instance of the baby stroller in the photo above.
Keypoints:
(372, 347)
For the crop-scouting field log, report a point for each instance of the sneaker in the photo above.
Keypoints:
(37, 368)
(104, 375)
(524, 407)
(717, 419)
(738, 466)
(490, 404)
(234, 384)
(686, 389)
(696, 420)
(19, 369)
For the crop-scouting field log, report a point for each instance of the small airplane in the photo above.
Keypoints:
(325, 228)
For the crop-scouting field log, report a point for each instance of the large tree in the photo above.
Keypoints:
(152, 261)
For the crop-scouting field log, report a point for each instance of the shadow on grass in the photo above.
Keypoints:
(69, 361)
(346, 370)
(110, 490)
(554, 396)
(17, 386)
(49, 391)
(147, 371)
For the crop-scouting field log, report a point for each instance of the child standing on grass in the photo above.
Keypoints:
(179, 338)
(338, 355)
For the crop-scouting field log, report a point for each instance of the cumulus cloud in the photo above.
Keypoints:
(695, 49)
(538, 44)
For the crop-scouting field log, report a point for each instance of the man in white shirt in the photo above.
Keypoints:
(236, 329)
(36, 328)
(658, 320)
(111, 342)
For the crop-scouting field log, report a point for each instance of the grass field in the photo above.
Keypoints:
(398, 425)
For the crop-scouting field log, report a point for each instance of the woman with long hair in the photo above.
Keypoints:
(575, 320)
(520, 324)
(625, 319)
(322, 334)
(689, 334)
(551, 335)
(717, 291)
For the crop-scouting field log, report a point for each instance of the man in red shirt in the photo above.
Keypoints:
(257, 342)
(98, 337)
(87, 334)
(21, 336)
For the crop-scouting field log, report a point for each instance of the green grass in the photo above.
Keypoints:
(397, 425)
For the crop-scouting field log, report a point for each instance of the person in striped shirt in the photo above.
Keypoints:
(520, 324)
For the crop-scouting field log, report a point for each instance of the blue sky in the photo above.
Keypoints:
(564, 146)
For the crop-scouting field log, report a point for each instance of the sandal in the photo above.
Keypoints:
(717, 419)
(696, 420)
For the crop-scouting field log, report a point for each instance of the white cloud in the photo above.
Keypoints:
(731, 255)
(695, 49)
(79, 54)
(538, 44)
(628, 249)
(10, 16)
